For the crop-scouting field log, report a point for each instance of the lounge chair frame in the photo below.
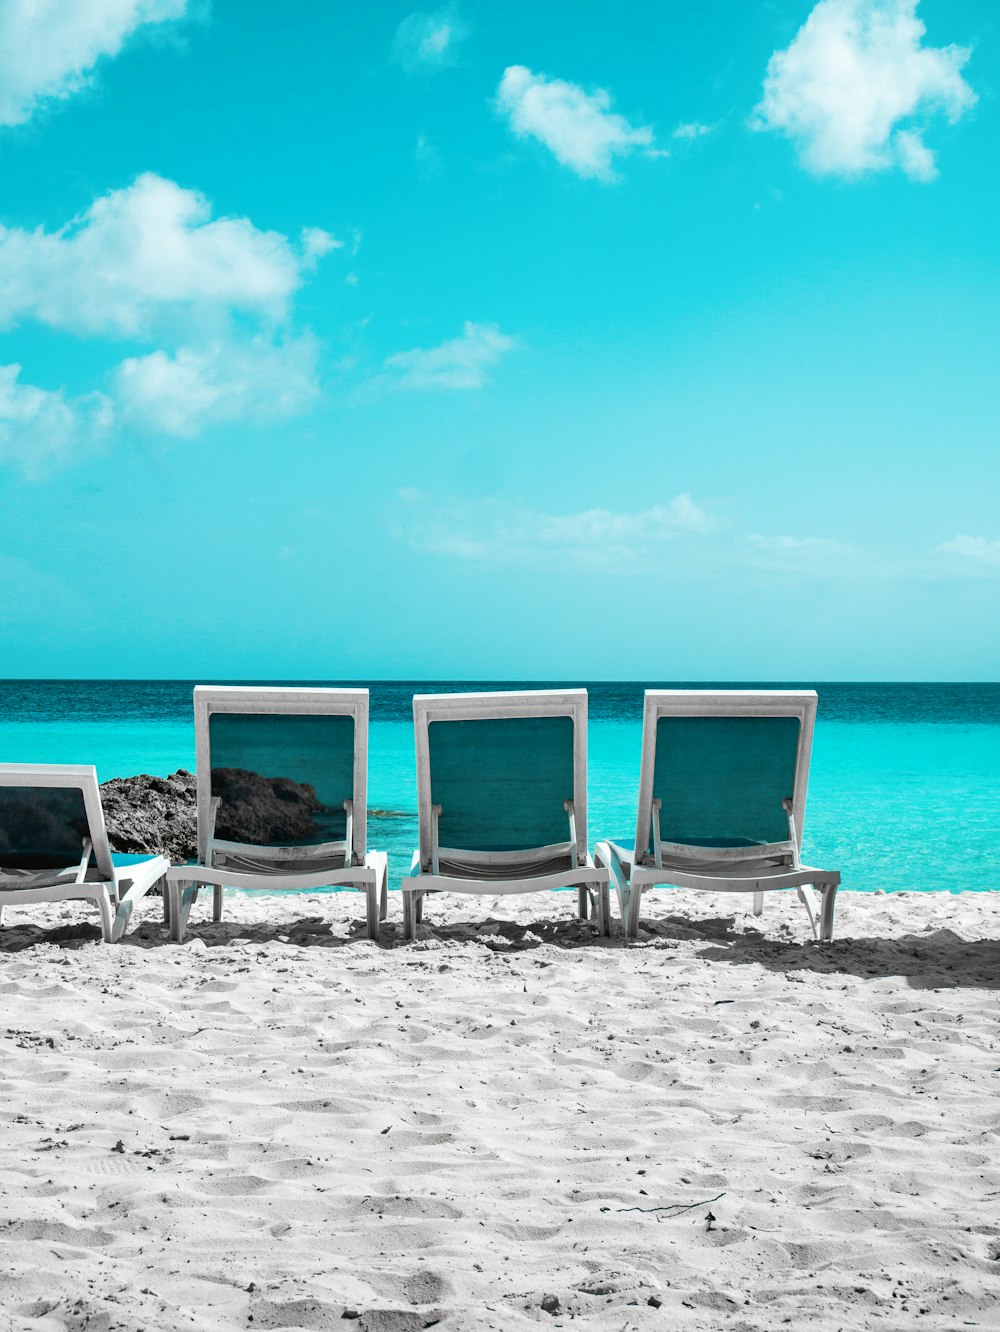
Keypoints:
(525, 869)
(118, 888)
(363, 869)
(756, 869)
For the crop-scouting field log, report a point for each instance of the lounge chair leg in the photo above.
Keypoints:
(808, 899)
(758, 904)
(419, 909)
(829, 897)
(603, 911)
(1, 917)
(372, 903)
(181, 898)
(383, 906)
(581, 902)
(409, 916)
(632, 921)
(217, 902)
(107, 922)
(166, 906)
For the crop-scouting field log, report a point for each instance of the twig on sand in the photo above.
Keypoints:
(677, 1208)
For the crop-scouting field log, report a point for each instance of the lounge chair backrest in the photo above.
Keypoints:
(276, 768)
(725, 769)
(502, 768)
(47, 812)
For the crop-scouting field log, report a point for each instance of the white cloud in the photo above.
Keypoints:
(972, 549)
(316, 243)
(40, 428)
(183, 392)
(140, 252)
(578, 127)
(854, 71)
(48, 48)
(460, 363)
(150, 263)
(429, 41)
(811, 556)
(499, 532)
(692, 129)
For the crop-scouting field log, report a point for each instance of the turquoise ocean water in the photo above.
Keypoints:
(904, 790)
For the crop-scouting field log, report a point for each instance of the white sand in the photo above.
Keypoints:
(293, 1121)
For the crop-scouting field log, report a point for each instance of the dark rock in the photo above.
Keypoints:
(148, 815)
(152, 815)
(551, 1304)
(263, 810)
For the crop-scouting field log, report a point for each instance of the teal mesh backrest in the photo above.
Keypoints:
(501, 782)
(41, 827)
(281, 780)
(722, 779)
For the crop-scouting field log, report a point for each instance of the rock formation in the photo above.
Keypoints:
(154, 815)
(159, 815)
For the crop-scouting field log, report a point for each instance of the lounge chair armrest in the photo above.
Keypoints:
(606, 856)
(349, 834)
(570, 809)
(84, 865)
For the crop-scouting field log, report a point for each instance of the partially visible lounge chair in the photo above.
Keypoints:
(54, 845)
(722, 794)
(502, 799)
(282, 788)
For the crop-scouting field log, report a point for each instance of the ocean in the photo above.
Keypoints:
(904, 791)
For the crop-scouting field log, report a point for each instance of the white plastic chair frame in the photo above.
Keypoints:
(364, 870)
(592, 883)
(118, 889)
(633, 870)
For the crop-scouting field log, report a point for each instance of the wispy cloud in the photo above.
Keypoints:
(48, 48)
(692, 129)
(578, 127)
(678, 538)
(429, 42)
(974, 552)
(855, 70)
(42, 428)
(504, 533)
(459, 363)
(812, 556)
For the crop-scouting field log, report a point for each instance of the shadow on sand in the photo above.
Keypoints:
(935, 960)
(492, 934)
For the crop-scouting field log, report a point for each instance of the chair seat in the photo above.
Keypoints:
(528, 868)
(23, 879)
(244, 864)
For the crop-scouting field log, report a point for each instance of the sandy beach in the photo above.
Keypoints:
(280, 1124)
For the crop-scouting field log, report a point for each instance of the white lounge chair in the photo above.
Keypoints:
(722, 794)
(502, 799)
(282, 788)
(54, 845)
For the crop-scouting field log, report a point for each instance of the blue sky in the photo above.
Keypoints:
(635, 340)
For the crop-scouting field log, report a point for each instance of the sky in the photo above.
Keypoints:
(597, 341)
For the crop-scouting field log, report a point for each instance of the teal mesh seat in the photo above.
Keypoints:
(722, 780)
(280, 779)
(282, 798)
(502, 784)
(54, 845)
(722, 796)
(41, 827)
